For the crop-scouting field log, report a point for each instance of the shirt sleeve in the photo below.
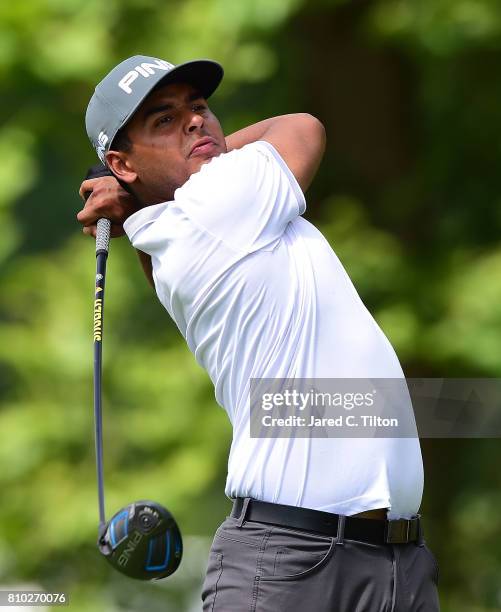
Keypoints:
(244, 198)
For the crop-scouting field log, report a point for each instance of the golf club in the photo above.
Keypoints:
(141, 540)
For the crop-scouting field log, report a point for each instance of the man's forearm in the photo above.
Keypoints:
(253, 132)
(298, 138)
(146, 264)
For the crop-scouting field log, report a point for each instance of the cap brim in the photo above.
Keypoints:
(204, 75)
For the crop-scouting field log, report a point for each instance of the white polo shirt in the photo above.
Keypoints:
(257, 292)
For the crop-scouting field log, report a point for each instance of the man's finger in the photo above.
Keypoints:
(87, 186)
(94, 208)
(87, 216)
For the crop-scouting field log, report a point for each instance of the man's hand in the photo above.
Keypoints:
(107, 199)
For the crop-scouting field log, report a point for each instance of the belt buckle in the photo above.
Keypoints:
(397, 532)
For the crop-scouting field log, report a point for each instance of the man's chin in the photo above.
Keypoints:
(205, 160)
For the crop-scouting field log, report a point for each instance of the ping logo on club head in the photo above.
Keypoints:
(102, 141)
(146, 69)
(124, 557)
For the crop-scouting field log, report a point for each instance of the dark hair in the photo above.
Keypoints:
(121, 142)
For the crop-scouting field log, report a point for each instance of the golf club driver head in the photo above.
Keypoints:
(142, 541)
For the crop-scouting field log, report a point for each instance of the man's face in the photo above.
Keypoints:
(172, 133)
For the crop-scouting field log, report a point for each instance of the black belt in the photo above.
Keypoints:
(373, 531)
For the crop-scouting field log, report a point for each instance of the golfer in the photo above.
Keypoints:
(318, 523)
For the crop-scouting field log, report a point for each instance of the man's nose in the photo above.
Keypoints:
(195, 122)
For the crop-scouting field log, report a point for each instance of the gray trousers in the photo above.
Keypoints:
(255, 567)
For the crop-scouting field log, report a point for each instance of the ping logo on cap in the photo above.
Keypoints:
(146, 69)
(102, 141)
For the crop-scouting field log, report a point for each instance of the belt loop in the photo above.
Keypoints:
(243, 513)
(420, 537)
(340, 530)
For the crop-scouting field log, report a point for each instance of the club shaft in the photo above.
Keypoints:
(102, 244)
(101, 258)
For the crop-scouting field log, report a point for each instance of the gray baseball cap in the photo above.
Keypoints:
(121, 92)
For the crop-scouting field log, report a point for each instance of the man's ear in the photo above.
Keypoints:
(120, 166)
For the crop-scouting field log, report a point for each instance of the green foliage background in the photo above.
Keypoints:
(408, 195)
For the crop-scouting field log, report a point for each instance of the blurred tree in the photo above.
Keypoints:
(407, 195)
